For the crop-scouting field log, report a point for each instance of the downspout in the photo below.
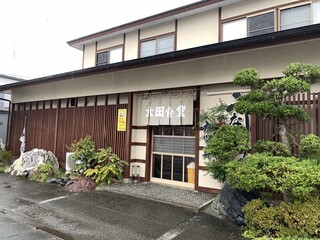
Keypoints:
(8, 121)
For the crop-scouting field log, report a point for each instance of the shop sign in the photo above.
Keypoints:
(122, 120)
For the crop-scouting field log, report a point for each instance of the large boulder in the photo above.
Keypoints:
(29, 161)
(83, 184)
(229, 202)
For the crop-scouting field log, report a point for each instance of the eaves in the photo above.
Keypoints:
(272, 39)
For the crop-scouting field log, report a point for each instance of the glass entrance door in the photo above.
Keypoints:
(173, 155)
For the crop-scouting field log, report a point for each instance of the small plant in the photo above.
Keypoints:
(213, 118)
(297, 220)
(84, 154)
(5, 155)
(45, 172)
(109, 167)
(2, 167)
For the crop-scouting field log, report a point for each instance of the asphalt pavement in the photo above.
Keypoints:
(31, 210)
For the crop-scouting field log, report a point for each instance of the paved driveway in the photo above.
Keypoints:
(31, 210)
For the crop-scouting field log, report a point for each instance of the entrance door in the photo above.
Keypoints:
(173, 155)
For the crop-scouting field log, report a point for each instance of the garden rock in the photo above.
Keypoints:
(83, 184)
(29, 161)
(229, 203)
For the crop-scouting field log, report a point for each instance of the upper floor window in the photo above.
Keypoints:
(112, 55)
(157, 46)
(287, 18)
(250, 26)
(295, 17)
(260, 24)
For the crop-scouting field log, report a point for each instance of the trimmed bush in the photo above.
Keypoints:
(310, 146)
(283, 221)
(224, 146)
(271, 148)
(298, 179)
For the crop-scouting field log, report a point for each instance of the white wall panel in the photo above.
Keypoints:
(138, 152)
(205, 180)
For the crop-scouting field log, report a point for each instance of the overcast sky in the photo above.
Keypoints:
(34, 32)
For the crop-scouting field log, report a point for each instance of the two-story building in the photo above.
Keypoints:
(144, 83)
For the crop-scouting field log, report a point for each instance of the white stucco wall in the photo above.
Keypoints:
(198, 30)
(157, 30)
(246, 7)
(110, 42)
(131, 46)
(89, 55)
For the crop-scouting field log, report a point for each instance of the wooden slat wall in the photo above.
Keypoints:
(55, 128)
(266, 128)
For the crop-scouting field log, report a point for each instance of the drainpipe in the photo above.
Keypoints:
(8, 121)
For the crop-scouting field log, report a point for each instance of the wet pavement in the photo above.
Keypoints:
(30, 210)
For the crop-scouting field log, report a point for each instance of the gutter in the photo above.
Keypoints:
(266, 40)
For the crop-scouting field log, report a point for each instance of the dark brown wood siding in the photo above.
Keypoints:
(55, 128)
(266, 129)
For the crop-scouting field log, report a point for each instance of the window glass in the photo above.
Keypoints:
(261, 24)
(316, 11)
(157, 46)
(115, 55)
(234, 29)
(295, 17)
(166, 167)
(177, 168)
(102, 58)
(156, 166)
(165, 44)
(178, 131)
(148, 48)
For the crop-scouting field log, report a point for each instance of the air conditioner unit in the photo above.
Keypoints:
(69, 161)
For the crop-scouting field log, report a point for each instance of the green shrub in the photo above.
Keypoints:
(2, 167)
(84, 154)
(228, 142)
(271, 148)
(213, 118)
(284, 221)
(225, 145)
(280, 174)
(109, 167)
(45, 172)
(6, 155)
(310, 146)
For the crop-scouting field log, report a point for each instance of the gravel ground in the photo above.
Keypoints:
(171, 195)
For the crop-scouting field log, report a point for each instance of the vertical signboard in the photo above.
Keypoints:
(122, 120)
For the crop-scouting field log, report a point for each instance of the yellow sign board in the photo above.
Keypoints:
(122, 120)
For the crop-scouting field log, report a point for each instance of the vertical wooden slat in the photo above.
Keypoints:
(309, 111)
(128, 135)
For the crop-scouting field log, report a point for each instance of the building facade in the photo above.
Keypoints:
(5, 99)
(144, 84)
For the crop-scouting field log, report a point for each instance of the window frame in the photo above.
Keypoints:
(291, 7)
(156, 39)
(108, 50)
(246, 17)
(277, 16)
